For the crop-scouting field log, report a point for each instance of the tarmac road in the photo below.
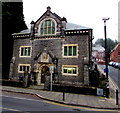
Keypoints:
(19, 102)
(27, 103)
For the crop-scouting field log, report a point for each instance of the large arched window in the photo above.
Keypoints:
(47, 27)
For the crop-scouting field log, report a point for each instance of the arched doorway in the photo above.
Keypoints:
(44, 73)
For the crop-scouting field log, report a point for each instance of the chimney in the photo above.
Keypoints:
(48, 8)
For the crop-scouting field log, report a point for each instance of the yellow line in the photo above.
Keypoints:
(78, 107)
(14, 110)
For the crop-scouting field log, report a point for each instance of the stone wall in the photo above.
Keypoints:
(55, 47)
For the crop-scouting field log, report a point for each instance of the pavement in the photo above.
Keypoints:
(69, 98)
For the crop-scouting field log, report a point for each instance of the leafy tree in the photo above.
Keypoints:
(12, 21)
(110, 44)
(101, 42)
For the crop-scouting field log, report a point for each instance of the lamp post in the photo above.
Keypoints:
(106, 60)
(32, 36)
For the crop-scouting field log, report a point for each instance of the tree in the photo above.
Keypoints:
(101, 42)
(110, 44)
(12, 21)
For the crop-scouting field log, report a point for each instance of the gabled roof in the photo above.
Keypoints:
(118, 45)
(57, 16)
(49, 12)
(71, 26)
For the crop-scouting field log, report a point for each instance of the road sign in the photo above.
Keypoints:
(51, 73)
(51, 69)
(105, 70)
(99, 92)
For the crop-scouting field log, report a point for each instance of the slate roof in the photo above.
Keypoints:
(26, 31)
(71, 26)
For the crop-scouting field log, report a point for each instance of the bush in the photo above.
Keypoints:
(94, 78)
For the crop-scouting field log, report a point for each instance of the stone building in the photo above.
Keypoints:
(53, 42)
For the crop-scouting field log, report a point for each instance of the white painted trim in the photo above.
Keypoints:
(23, 65)
(39, 27)
(70, 66)
(72, 46)
(25, 56)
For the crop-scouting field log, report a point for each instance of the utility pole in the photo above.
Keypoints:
(106, 59)
(32, 36)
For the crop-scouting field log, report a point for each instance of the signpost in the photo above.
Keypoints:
(51, 73)
(105, 70)
(99, 92)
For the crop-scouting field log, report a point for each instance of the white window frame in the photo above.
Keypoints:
(19, 71)
(70, 66)
(68, 45)
(27, 51)
(39, 30)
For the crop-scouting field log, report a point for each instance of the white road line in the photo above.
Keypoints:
(10, 109)
(21, 98)
(54, 103)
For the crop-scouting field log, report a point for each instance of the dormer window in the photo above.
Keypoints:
(47, 27)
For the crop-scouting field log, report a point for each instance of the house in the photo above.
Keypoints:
(53, 43)
(115, 53)
(98, 52)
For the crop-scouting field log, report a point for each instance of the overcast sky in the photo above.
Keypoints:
(88, 13)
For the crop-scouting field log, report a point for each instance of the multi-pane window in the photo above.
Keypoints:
(25, 51)
(69, 70)
(24, 68)
(47, 27)
(70, 50)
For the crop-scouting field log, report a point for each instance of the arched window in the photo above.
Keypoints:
(47, 27)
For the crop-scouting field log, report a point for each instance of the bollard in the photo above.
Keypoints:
(117, 97)
(63, 95)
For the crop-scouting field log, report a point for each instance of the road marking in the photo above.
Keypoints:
(20, 98)
(113, 83)
(78, 107)
(13, 110)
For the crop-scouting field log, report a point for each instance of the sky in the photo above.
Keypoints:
(87, 13)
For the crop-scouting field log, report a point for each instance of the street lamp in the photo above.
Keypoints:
(32, 36)
(106, 60)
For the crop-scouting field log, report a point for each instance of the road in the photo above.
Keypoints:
(24, 103)
(114, 74)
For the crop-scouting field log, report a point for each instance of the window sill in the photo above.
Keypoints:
(25, 56)
(70, 56)
(66, 74)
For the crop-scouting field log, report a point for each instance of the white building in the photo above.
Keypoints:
(98, 52)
